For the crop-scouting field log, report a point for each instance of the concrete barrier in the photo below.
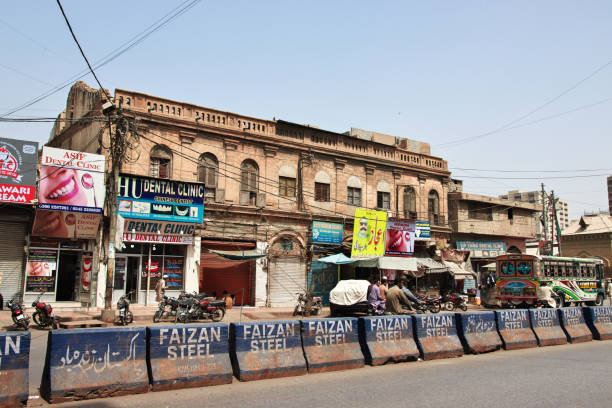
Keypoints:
(599, 320)
(262, 350)
(387, 339)
(515, 329)
(14, 366)
(192, 355)
(546, 326)
(572, 321)
(331, 344)
(478, 332)
(94, 363)
(436, 335)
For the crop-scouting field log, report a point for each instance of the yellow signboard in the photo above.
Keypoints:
(369, 233)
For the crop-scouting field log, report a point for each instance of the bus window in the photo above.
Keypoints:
(507, 268)
(524, 268)
(548, 270)
(600, 272)
(583, 271)
(571, 271)
(560, 271)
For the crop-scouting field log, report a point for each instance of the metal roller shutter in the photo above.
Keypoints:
(11, 258)
(287, 277)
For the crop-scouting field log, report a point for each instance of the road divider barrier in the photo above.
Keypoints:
(574, 325)
(387, 339)
(515, 329)
(14, 367)
(599, 320)
(94, 363)
(546, 326)
(436, 336)
(478, 332)
(194, 355)
(331, 344)
(262, 350)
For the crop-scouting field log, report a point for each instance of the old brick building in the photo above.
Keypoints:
(266, 181)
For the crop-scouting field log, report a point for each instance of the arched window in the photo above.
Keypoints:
(208, 170)
(410, 203)
(433, 207)
(322, 183)
(249, 182)
(160, 162)
(383, 195)
(353, 191)
(287, 177)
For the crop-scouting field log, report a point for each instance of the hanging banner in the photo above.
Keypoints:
(400, 237)
(369, 233)
(40, 270)
(71, 181)
(18, 161)
(326, 232)
(422, 231)
(158, 232)
(159, 199)
(66, 224)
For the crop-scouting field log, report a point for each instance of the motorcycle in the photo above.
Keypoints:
(43, 314)
(542, 304)
(123, 306)
(205, 308)
(20, 319)
(307, 304)
(453, 301)
(167, 307)
(432, 304)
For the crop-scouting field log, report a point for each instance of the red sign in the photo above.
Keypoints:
(17, 194)
(18, 161)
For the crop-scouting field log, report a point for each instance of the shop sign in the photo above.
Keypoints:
(159, 199)
(400, 237)
(40, 270)
(483, 249)
(422, 230)
(66, 224)
(18, 161)
(71, 181)
(369, 233)
(326, 232)
(162, 232)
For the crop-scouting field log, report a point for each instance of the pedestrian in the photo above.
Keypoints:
(229, 302)
(609, 289)
(160, 288)
(375, 300)
(396, 298)
(384, 288)
(546, 295)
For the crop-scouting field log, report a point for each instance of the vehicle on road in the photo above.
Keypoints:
(167, 307)
(43, 313)
(574, 280)
(123, 306)
(307, 304)
(20, 319)
(452, 301)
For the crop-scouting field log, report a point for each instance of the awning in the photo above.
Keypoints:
(227, 245)
(239, 255)
(389, 262)
(337, 259)
(458, 272)
(431, 265)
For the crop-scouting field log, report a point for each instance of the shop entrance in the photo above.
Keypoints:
(126, 277)
(67, 275)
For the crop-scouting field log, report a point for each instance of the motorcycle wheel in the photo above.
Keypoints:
(158, 316)
(217, 315)
(129, 318)
(449, 306)
(54, 323)
(295, 311)
(463, 307)
(434, 308)
(37, 319)
(181, 317)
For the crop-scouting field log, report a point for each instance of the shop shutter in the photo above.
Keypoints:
(287, 277)
(235, 281)
(11, 258)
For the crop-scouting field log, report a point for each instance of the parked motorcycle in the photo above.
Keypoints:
(167, 307)
(307, 304)
(194, 306)
(433, 303)
(43, 313)
(20, 319)
(123, 306)
(453, 301)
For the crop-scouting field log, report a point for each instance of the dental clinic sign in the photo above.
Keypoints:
(18, 161)
(160, 199)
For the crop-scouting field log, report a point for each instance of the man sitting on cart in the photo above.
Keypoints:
(397, 301)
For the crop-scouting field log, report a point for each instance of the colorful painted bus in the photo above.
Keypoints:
(574, 280)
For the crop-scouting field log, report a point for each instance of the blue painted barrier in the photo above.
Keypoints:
(478, 332)
(266, 350)
(436, 336)
(94, 363)
(599, 320)
(192, 355)
(546, 326)
(331, 344)
(387, 339)
(14, 366)
(574, 325)
(515, 329)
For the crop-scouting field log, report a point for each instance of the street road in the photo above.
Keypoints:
(577, 375)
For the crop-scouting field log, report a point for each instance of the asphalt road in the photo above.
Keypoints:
(578, 375)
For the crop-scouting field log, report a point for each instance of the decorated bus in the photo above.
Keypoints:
(574, 280)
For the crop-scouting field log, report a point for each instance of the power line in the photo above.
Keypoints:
(533, 178)
(529, 171)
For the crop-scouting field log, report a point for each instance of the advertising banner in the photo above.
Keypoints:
(400, 237)
(422, 231)
(158, 199)
(66, 224)
(40, 270)
(326, 232)
(162, 232)
(483, 249)
(369, 233)
(71, 181)
(18, 160)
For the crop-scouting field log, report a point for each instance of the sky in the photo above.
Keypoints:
(511, 94)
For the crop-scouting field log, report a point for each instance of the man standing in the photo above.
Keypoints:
(396, 298)
(375, 300)
(160, 288)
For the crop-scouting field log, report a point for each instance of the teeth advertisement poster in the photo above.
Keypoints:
(369, 233)
(66, 224)
(400, 237)
(159, 199)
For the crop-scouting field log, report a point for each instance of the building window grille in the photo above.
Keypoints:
(410, 203)
(433, 207)
(322, 192)
(160, 162)
(208, 170)
(353, 196)
(286, 186)
(383, 200)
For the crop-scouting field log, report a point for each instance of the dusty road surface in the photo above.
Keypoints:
(577, 375)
